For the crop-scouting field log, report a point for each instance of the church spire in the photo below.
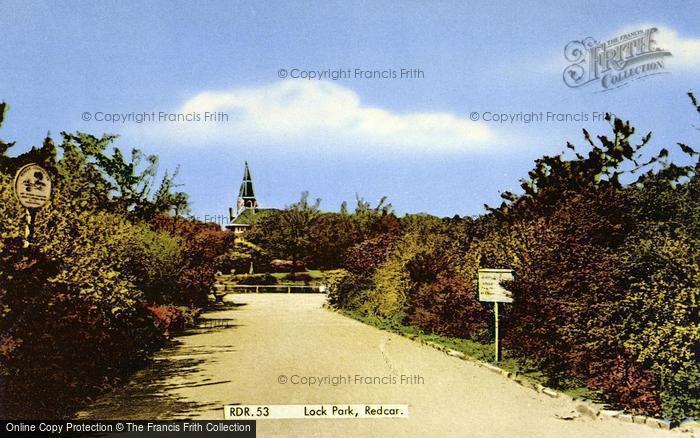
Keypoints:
(246, 195)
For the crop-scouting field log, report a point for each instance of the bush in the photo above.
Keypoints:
(191, 315)
(203, 247)
(66, 299)
(571, 276)
(72, 307)
(255, 279)
(73, 333)
(389, 294)
(168, 319)
(607, 275)
(345, 290)
(300, 276)
(365, 257)
(448, 306)
(445, 298)
(661, 326)
(400, 273)
(155, 260)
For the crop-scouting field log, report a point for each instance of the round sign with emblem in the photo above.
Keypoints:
(33, 186)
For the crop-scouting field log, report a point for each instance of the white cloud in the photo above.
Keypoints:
(319, 115)
(685, 50)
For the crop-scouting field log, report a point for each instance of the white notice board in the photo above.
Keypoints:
(490, 288)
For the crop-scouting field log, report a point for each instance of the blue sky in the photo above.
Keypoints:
(409, 139)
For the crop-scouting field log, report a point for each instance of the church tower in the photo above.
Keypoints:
(246, 195)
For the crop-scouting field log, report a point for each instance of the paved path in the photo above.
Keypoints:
(270, 335)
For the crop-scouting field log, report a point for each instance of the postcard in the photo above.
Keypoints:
(349, 218)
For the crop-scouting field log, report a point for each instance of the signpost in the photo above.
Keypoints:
(33, 190)
(490, 290)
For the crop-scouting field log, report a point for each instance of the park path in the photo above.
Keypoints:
(260, 337)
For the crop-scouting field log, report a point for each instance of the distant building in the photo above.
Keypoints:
(247, 208)
(246, 195)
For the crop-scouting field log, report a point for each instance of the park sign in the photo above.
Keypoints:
(490, 289)
(32, 186)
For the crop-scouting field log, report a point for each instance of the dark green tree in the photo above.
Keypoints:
(128, 183)
(287, 233)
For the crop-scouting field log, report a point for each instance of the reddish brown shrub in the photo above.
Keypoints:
(448, 306)
(204, 243)
(624, 383)
(168, 319)
(365, 257)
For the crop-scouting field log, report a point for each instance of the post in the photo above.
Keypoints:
(495, 315)
(28, 227)
(490, 290)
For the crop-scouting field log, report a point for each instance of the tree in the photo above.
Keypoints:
(375, 221)
(287, 233)
(333, 234)
(296, 222)
(128, 183)
(243, 257)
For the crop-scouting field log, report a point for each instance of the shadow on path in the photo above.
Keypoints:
(152, 392)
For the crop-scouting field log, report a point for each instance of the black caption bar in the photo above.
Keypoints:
(126, 428)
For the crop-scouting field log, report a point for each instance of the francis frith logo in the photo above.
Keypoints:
(616, 62)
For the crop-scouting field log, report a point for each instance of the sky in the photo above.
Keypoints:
(428, 141)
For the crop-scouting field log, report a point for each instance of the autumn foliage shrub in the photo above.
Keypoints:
(345, 289)
(607, 273)
(72, 323)
(169, 319)
(447, 306)
(73, 313)
(567, 311)
(60, 344)
(68, 349)
(661, 306)
(365, 257)
(203, 246)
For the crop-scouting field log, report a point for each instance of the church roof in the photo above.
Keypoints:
(246, 217)
(247, 191)
(250, 216)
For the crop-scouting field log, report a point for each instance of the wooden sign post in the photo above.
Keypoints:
(33, 190)
(490, 290)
